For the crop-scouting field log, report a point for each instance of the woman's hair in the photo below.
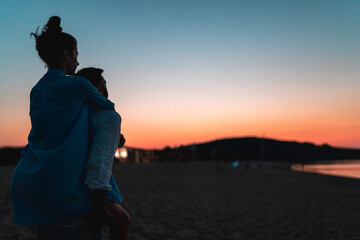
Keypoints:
(52, 42)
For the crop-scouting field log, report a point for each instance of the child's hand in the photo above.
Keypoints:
(122, 141)
(101, 217)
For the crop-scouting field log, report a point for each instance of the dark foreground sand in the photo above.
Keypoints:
(196, 201)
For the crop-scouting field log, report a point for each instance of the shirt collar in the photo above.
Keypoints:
(55, 71)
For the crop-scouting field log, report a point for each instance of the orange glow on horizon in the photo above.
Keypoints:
(160, 139)
(159, 131)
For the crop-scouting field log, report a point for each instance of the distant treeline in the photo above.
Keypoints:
(226, 150)
(248, 149)
(10, 156)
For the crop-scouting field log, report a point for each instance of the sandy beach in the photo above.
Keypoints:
(199, 201)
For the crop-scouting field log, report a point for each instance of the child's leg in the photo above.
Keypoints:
(120, 230)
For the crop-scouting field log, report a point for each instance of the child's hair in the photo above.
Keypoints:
(52, 42)
(91, 74)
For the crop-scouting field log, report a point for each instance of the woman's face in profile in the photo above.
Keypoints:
(72, 62)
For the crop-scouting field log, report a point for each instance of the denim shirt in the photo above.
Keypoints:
(47, 185)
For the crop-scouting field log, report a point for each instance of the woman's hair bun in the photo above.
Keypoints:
(53, 25)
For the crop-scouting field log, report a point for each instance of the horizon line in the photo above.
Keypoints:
(218, 139)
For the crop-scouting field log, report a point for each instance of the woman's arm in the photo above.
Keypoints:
(105, 141)
(91, 95)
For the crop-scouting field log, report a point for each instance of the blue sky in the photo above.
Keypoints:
(251, 66)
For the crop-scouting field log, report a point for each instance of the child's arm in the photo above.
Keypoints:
(119, 226)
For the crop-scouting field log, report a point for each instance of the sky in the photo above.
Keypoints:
(191, 71)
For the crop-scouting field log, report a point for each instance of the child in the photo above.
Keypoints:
(106, 138)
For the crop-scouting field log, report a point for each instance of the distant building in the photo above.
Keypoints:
(134, 155)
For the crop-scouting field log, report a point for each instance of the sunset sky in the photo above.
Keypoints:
(190, 71)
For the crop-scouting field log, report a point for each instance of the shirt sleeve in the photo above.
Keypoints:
(91, 95)
(99, 166)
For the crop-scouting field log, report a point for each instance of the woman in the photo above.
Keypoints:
(47, 186)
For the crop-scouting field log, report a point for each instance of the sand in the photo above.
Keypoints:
(197, 201)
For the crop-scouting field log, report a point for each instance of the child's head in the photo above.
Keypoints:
(95, 77)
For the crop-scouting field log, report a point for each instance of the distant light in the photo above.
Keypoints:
(123, 153)
(117, 153)
(235, 164)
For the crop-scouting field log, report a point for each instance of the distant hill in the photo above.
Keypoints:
(250, 148)
(10, 155)
(226, 150)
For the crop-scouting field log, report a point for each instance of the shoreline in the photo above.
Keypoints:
(343, 168)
